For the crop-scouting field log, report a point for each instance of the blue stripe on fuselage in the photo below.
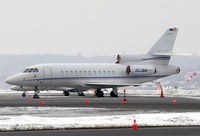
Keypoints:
(154, 58)
(112, 77)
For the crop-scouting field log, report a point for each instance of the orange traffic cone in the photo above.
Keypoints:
(124, 98)
(86, 102)
(29, 98)
(174, 102)
(134, 125)
(124, 101)
(161, 94)
(95, 93)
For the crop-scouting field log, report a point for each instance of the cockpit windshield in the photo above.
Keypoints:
(26, 70)
(29, 70)
(35, 70)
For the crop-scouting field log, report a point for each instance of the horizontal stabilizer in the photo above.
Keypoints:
(170, 54)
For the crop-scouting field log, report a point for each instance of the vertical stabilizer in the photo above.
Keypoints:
(162, 50)
(165, 44)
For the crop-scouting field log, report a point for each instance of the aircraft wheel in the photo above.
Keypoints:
(36, 96)
(112, 94)
(23, 94)
(99, 94)
(81, 94)
(66, 93)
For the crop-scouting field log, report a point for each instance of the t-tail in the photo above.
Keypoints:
(162, 50)
(159, 54)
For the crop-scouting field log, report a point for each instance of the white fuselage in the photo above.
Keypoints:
(81, 75)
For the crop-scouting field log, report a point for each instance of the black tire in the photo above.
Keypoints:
(66, 93)
(24, 95)
(100, 94)
(36, 96)
(112, 94)
(81, 94)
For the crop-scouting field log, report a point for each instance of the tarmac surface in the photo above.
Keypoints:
(164, 131)
(134, 103)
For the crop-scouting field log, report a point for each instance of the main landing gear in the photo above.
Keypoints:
(80, 93)
(114, 93)
(99, 93)
(66, 93)
(36, 96)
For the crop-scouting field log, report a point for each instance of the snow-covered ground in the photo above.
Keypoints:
(31, 118)
(169, 92)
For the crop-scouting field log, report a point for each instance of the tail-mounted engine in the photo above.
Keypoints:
(140, 70)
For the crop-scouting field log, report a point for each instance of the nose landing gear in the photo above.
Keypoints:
(36, 96)
(81, 93)
(24, 94)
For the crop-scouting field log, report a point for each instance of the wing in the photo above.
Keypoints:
(109, 85)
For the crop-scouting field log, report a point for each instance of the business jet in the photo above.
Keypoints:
(129, 70)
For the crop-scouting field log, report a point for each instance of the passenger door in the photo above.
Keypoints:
(47, 76)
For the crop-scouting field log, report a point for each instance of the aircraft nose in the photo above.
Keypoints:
(13, 80)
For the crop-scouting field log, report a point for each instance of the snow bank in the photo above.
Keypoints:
(54, 111)
(25, 122)
(167, 92)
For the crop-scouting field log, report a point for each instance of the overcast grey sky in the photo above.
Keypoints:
(96, 27)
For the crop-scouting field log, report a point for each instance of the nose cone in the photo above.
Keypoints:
(14, 80)
(11, 80)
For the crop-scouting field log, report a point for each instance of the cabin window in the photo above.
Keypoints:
(66, 72)
(113, 72)
(35, 70)
(76, 72)
(85, 72)
(104, 72)
(108, 72)
(80, 72)
(71, 72)
(94, 72)
(30, 70)
(89, 72)
(99, 72)
(62, 72)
